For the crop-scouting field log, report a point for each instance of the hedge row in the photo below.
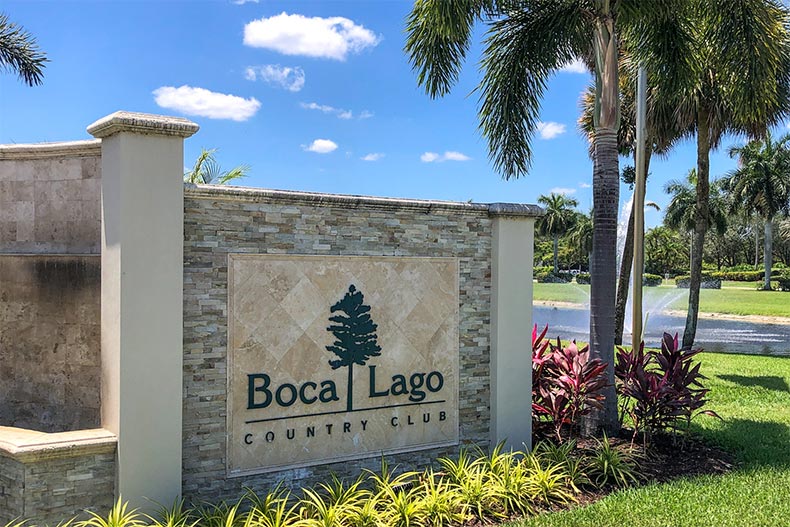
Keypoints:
(708, 281)
(548, 277)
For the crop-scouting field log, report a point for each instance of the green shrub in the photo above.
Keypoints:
(651, 280)
(552, 278)
(583, 278)
(708, 281)
(739, 276)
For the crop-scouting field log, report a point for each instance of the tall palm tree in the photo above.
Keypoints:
(19, 53)
(525, 44)
(558, 219)
(761, 186)
(207, 171)
(680, 213)
(741, 83)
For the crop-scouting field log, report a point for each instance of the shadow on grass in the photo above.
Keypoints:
(769, 382)
(754, 443)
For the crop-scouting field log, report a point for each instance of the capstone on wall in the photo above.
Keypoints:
(50, 235)
(219, 222)
(46, 479)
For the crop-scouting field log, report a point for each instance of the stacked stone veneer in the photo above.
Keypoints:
(221, 221)
(49, 478)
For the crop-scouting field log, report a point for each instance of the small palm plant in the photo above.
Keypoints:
(207, 171)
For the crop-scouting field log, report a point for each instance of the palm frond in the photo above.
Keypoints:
(522, 51)
(20, 54)
(438, 39)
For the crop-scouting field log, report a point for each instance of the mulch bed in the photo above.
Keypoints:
(668, 458)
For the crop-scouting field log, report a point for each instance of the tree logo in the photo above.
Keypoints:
(355, 333)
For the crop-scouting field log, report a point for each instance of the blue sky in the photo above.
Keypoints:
(313, 95)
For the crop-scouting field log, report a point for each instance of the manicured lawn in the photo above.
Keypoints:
(736, 298)
(752, 395)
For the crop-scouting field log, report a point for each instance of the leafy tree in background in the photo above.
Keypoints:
(666, 251)
(680, 213)
(740, 83)
(207, 171)
(558, 219)
(356, 336)
(761, 186)
(525, 44)
(20, 54)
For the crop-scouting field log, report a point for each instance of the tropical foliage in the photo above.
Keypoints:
(524, 45)
(471, 488)
(761, 186)
(207, 171)
(20, 54)
(558, 219)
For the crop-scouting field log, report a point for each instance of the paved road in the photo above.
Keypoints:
(712, 334)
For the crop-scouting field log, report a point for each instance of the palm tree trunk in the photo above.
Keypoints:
(768, 252)
(604, 262)
(700, 225)
(556, 251)
(606, 198)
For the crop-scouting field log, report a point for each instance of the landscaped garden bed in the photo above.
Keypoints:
(734, 471)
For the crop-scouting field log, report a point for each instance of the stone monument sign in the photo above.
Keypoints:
(339, 357)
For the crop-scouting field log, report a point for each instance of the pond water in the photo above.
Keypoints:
(718, 335)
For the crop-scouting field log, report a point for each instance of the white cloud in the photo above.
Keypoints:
(562, 190)
(205, 103)
(331, 38)
(450, 155)
(242, 2)
(574, 66)
(372, 157)
(321, 146)
(289, 78)
(584, 185)
(550, 129)
(339, 112)
(456, 156)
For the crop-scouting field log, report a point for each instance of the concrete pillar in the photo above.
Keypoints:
(511, 326)
(141, 299)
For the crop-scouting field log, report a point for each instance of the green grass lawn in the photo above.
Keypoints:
(752, 395)
(736, 298)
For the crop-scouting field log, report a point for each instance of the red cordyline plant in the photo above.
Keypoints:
(662, 390)
(566, 383)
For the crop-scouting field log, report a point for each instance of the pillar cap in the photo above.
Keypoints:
(142, 123)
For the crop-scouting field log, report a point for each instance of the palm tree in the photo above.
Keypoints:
(19, 53)
(680, 213)
(558, 219)
(207, 171)
(526, 43)
(581, 234)
(761, 185)
(741, 83)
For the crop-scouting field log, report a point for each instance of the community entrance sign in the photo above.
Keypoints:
(334, 358)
